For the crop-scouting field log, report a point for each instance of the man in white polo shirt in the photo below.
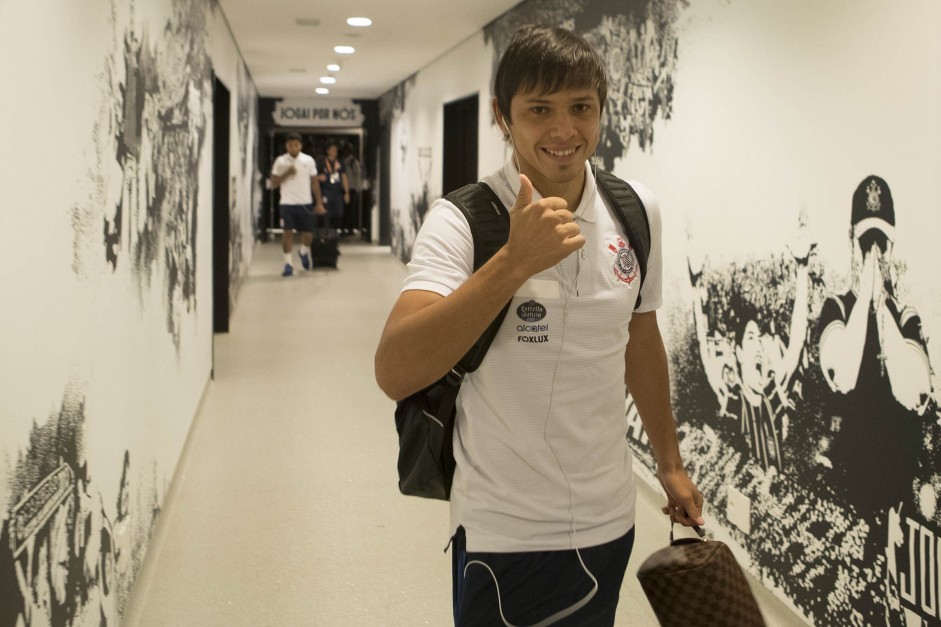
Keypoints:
(295, 173)
(542, 502)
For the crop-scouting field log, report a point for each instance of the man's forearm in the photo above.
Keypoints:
(315, 189)
(656, 415)
(648, 380)
(419, 347)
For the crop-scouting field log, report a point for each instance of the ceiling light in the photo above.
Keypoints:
(359, 21)
(327, 80)
(323, 91)
(344, 49)
(333, 67)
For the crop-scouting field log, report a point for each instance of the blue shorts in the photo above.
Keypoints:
(297, 217)
(535, 585)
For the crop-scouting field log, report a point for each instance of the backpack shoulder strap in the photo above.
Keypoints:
(489, 222)
(633, 217)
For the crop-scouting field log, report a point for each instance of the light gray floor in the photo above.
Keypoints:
(284, 509)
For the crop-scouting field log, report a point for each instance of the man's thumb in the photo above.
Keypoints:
(525, 196)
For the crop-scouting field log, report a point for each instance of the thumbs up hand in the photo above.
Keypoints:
(542, 233)
(525, 196)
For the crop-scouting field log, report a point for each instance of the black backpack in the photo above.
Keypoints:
(425, 420)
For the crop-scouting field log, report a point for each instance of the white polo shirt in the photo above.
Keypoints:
(296, 190)
(540, 437)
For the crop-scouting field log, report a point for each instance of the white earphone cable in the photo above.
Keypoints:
(568, 611)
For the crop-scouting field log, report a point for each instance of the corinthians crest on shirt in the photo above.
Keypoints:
(625, 266)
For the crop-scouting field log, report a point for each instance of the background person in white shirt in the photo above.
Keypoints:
(295, 173)
(542, 502)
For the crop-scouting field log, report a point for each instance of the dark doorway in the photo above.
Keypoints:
(221, 219)
(460, 143)
(349, 143)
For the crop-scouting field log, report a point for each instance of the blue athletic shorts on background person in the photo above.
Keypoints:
(297, 217)
(536, 584)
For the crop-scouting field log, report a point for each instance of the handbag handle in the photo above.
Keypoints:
(699, 531)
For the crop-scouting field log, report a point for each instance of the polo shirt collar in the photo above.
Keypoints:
(587, 208)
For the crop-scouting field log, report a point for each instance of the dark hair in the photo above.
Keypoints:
(743, 312)
(741, 323)
(292, 137)
(550, 59)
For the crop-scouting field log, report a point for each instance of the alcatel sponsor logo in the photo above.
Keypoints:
(532, 328)
(531, 311)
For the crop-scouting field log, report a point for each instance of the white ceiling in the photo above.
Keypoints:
(287, 60)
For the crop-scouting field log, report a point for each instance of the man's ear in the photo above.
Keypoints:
(499, 118)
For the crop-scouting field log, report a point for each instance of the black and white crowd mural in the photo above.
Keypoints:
(809, 412)
(150, 138)
(107, 346)
(67, 555)
(801, 310)
(406, 217)
(246, 186)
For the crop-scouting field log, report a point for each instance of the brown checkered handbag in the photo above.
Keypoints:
(698, 582)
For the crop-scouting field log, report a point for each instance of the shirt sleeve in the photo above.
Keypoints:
(651, 294)
(443, 254)
(277, 168)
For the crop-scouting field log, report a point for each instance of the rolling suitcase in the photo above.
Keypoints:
(325, 248)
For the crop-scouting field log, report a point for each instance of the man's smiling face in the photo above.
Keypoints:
(554, 134)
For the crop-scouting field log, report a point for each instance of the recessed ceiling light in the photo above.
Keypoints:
(344, 49)
(323, 91)
(333, 67)
(359, 21)
(327, 80)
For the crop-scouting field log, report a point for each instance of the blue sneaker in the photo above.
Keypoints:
(288, 270)
(305, 261)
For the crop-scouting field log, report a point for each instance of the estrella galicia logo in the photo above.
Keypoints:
(531, 311)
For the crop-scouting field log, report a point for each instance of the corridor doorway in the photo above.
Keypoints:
(356, 221)
(459, 156)
(221, 219)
